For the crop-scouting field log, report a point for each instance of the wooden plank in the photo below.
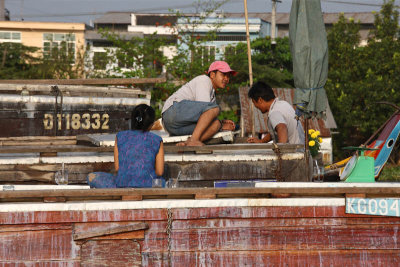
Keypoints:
(132, 197)
(54, 199)
(38, 143)
(35, 227)
(81, 216)
(111, 253)
(285, 148)
(191, 192)
(111, 230)
(276, 258)
(12, 173)
(282, 238)
(37, 138)
(71, 148)
(205, 196)
(111, 81)
(137, 235)
(257, 222)
(80, 228)
(48, 154)
(13, 176)
(37, 245)
(355, 195)
(37, 263)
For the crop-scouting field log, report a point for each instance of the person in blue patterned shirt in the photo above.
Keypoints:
(138, 154)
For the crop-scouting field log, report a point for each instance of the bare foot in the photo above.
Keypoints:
(191, 142)
(181, 144)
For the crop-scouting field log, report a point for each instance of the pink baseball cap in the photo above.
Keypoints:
(222, 66)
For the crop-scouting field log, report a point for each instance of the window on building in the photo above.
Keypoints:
(12, 37)
(229, 50)
(59, 45)
(100, 60)
(205, 53)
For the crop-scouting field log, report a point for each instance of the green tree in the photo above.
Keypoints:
(359, 76)
(270, 63)
(23, 62)
(143, 57)
(17, 61)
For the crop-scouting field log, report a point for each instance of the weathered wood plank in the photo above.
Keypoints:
(81, 216)
(276, 258)
(35, 227)
(111, 81)
(191, 192)
(70, 148)
(44, 173)
(38, 143)
(39, 245)
(25, 176)
(283, 238)
(80, 228)
(37, 138)
(37, 263)
(111, 253)
(168, 149)
(54, 199)
(220, 223)
(198, 149)
(110, 230)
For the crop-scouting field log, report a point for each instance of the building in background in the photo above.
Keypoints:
(232, 29)
(46, 36)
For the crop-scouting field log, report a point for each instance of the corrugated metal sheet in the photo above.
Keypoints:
(287, 94)
(115, 18)
(281, 18)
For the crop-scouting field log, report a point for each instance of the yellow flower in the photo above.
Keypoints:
(311, 143)
(314, 135)
(311, 131)
(320, 140)
(318, 133)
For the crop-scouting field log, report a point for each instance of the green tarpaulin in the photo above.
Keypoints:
(309, 48)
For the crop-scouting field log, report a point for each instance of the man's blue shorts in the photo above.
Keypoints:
(181, 118)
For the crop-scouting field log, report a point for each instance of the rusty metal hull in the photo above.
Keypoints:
(67, 111)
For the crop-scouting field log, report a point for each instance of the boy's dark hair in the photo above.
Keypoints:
(261, 89)
(209, 74)
(142, 117)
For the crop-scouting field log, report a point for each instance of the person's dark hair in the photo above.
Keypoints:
(261, 89)
(142, 117)
(209, 74)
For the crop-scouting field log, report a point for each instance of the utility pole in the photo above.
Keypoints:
(2, 10)
(273, 21)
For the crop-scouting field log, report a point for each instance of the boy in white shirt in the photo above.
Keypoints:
(192, 109)
(283, 127)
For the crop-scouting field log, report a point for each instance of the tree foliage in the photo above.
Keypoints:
(23, 62)
(270, 63)
(17, 61)
(360, 76)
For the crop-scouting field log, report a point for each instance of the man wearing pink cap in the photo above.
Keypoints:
(193, 109)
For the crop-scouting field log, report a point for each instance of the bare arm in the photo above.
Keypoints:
(116, 162)
(265, 139)
(159, 168)
(281, 130)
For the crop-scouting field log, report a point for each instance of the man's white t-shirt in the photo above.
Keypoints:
(198, 89)
(282, 112)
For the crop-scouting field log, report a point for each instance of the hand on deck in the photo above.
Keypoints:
(254, 140)
(227, 125)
